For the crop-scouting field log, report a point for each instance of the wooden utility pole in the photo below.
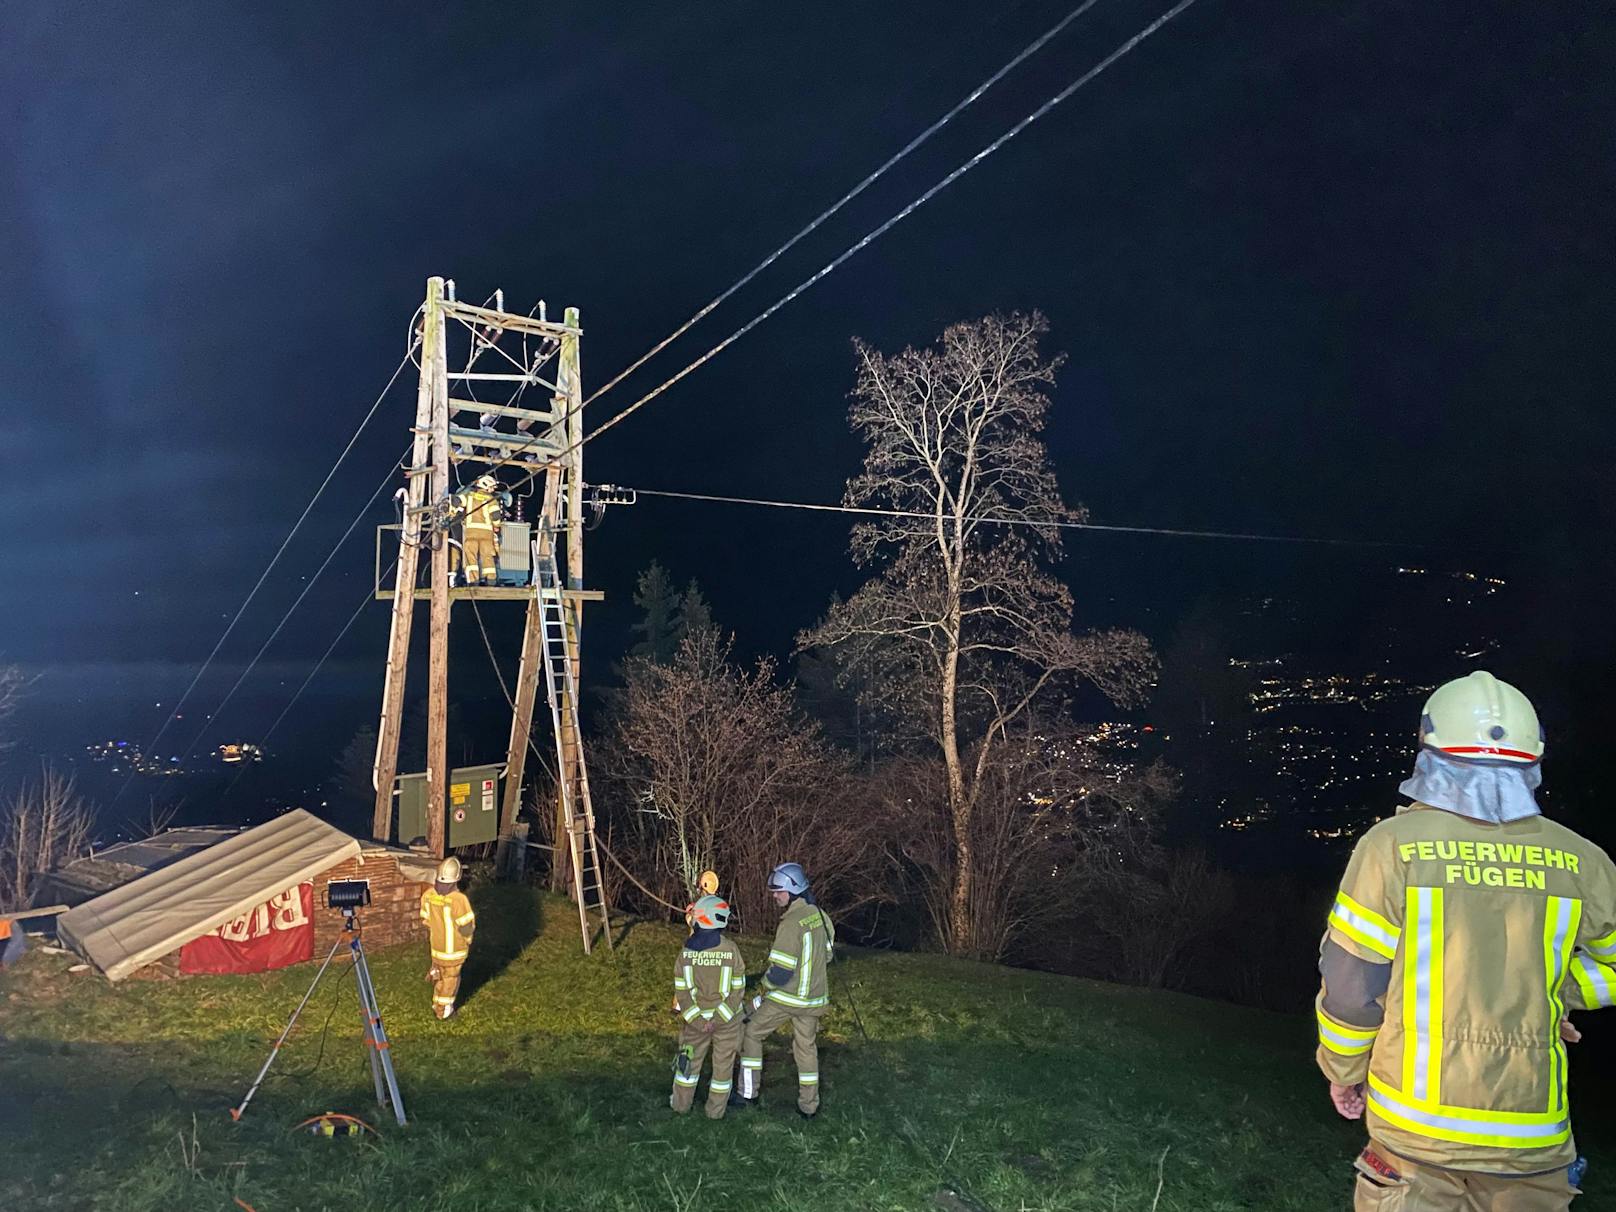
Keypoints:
(385, 770)
(547, 446)
(437, 693)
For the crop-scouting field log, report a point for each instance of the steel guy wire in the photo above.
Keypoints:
(263, 741)
(989, 519)
(269, 567)
(212, 719)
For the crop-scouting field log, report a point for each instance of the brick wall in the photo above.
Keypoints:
(393, 917)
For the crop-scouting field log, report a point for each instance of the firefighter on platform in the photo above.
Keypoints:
(480, 514)
(795, 989)
(709, 993)
(449, 922)
(1465, 928)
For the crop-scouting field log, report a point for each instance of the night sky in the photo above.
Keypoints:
(1340, 270)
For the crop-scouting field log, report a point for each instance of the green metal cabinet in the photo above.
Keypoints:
(473, 806)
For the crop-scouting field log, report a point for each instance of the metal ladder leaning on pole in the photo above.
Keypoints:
(561, 686)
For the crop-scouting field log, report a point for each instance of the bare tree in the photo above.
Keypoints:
(13, 682)
(963, 626)
(44, 824)
(1153, 907)
(713, 767)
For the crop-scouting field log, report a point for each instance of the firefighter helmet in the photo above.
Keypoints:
(789, 877)
(710, 913)
(1481, 719)
(449, 871)
(486, 483)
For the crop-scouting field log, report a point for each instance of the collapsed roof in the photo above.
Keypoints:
(128, 927)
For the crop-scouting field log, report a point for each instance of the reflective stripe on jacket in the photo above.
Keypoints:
(1488, 935)
(802, 948)
(449, 921)
(482, 510)
(709, 984)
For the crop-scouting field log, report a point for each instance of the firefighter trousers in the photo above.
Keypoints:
(804, 1047)
(695, 1039)
(1419, 1188)
(480, 554)
(445, 977)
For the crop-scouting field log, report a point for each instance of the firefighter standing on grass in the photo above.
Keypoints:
(1465, 928)
(709, 993)
(796, 989)
(449, 921)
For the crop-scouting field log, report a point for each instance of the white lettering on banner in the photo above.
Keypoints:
(283, 911)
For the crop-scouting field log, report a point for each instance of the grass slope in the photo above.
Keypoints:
(1015, 1090)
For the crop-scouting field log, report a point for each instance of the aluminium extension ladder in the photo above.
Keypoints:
(561, 686)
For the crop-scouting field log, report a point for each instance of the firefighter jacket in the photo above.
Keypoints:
(1458, 946)
(450, 921)
(796, 977)
(482, 510)
(709, 981)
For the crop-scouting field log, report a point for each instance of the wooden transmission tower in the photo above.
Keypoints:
(545, 447)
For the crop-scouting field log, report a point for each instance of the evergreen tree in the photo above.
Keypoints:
(695, 616)
(655, 596)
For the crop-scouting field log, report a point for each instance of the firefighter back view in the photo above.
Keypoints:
(795, 990)
(709, 992)
(480, 522)
(449, 922)
(1464, 930)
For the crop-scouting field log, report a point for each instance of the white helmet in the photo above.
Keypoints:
(449, 871)
(486, 483)
(1480, 719)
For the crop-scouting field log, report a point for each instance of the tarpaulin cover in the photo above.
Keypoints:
(145, 919)
(273, 934)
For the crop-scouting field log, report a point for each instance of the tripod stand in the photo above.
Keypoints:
(376, 1045)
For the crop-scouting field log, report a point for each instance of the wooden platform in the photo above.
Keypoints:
(498, 593)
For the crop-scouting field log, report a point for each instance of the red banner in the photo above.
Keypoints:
(277, 933)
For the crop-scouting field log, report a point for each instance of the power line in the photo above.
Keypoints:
(876, 233)
(970, 98)
(269, 567)
(290, 610)
(263, 741)
(989, 519)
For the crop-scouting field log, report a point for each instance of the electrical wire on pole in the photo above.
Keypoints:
(263, 741)
(875, 233)
(970, 98)
(1035, 523)
(269, 567)
(213, 716)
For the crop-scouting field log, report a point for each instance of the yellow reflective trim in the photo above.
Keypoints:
(1342, 1039)
(1559, 935)
(1410, 992)
(1585, 968)
(1378, 946)
(1465, 1137)
(1433, 1018)
(1374, 918)
(1526, 1118)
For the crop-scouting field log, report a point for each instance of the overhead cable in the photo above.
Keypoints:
(970, 98)
(269, 567)
(263, 740)
(989, 519)
(876, 233)
(290, 610)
